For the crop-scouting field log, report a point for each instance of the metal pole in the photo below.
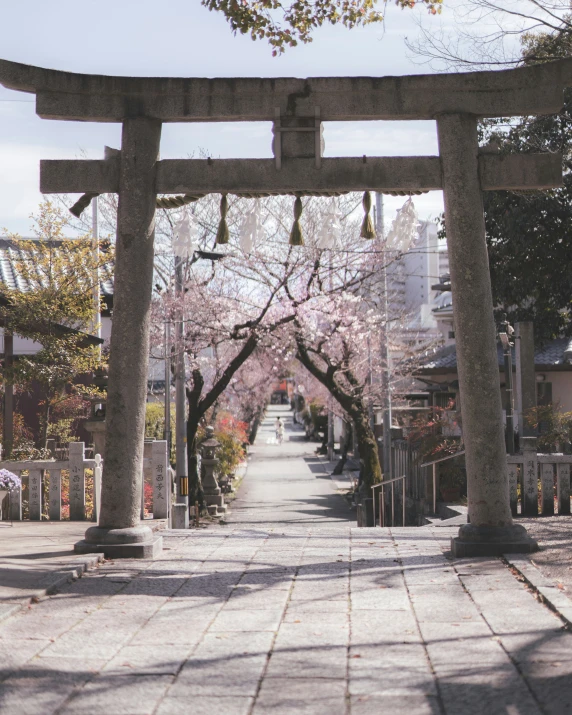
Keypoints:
(180, 425)
(331, 438)
(167, 431)
(385, 364)
(508, 404)
(379, 218)
(370, 383)
(385, 382)
(330, 430)
(525, 375)
(8, 436)
(95, 255)
(434, 488)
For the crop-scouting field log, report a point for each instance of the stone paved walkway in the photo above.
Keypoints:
(289, 609)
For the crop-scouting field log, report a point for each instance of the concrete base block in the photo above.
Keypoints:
(365, 513)
(492, 541)
(138, 542)
(215, 510)
(214, 499)
(179, 516)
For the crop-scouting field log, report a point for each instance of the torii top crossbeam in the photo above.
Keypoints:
(297, 108)
(100, 98)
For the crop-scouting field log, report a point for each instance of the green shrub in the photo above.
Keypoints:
(233, 437)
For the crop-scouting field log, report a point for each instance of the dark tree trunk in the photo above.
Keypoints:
(195, 484)
(198, 408)
(370, 472)
(354, 406)
(254, 425)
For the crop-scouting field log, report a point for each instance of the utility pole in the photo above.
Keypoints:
(180, 422)
(8, 435)
(525, 376)
(370, 383)
(167, 431)
(331, 437)
(385, 357)
(95, 255)
(507, 341)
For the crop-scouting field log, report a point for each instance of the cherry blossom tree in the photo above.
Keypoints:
(246, 302)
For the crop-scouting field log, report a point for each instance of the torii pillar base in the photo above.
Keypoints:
(492, 541)
(138, 542)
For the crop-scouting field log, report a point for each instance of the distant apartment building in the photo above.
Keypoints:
(411, 277)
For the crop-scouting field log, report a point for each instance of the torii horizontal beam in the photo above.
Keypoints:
(396, 173)
(97, 98)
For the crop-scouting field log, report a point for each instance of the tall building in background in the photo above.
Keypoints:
(410, 279)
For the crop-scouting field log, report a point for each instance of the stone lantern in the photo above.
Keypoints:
(213, 495)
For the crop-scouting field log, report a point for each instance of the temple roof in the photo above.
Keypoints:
(553, 355)
(10, 254)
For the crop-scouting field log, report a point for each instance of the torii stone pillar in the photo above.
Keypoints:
(119, 533)
(491, 530)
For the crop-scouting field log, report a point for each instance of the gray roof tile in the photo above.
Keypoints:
(10, 254)
(553, 354)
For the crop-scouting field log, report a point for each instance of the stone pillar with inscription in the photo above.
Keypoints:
(35, 494)
(161, 479)
(77, 481)
(529, 476)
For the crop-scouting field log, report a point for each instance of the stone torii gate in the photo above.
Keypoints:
(297, 108)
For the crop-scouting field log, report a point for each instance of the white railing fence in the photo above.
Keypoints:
(539, 484)
(34, 474)
(529, 471)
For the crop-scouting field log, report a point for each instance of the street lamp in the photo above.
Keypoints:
(328, 236)
(184, 244)
(507, 341)
(185, 238)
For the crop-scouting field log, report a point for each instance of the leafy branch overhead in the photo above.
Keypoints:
(286, 25)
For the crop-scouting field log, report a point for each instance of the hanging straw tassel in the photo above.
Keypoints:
(81, 204)
(367, 227)
(222, 233)
(296, 238)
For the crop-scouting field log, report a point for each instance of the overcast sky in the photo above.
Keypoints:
(181, 38)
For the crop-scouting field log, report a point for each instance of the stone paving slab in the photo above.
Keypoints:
(36, 558)
(293, 610)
